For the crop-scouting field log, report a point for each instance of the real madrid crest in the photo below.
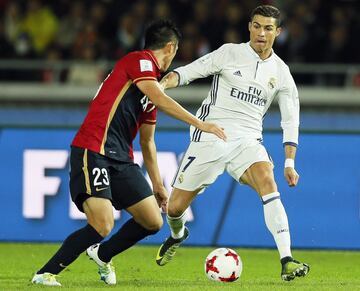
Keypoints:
(272, 83)
(181, 178)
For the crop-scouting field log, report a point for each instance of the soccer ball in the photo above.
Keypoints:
(223, 265)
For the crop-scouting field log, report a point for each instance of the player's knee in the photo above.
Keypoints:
(175, 210)
(154, 225)
(269, 180)
(268, 184)
(106, 228)
(176, 207)
(103, 226)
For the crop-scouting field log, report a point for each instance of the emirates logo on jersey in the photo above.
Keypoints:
(147, 105)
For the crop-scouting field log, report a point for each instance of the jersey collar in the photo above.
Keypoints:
(151, 54)
(254, 54)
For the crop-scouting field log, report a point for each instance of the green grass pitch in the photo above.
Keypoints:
(137, 270)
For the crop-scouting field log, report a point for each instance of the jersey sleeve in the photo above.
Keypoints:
(140, 67)
(288, 99)
(203, 67)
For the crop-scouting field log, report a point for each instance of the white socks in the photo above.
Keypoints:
(275, 219)
(277, 222)
(177, 225)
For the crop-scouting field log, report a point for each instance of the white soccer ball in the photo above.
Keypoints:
(223, 265)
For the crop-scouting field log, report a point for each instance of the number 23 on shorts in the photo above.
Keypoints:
(101, 179)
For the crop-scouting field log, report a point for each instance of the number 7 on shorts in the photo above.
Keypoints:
(191, 159)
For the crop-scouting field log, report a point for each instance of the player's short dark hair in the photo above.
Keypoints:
(158, 33)
(267, 11)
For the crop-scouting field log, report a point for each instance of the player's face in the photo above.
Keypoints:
(263, 32)
(172, 50)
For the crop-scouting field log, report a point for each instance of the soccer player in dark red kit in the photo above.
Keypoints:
(103, 174)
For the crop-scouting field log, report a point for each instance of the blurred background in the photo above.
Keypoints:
(54, 55)
(51, 32)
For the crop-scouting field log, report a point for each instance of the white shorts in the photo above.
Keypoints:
(204, 161)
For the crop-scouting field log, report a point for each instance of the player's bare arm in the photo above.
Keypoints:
(153, 90)
(170, 80)
(291, 176)
(148, 149)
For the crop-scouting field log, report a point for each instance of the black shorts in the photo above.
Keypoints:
(94, 175)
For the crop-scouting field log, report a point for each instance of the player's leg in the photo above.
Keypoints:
(179, 201)
(202, 163)
(146, 221)
(260, 177)
(148, 214)
(97, 210)
(132, 192)
(100, 221)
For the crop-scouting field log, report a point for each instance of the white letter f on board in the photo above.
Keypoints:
(36, 184)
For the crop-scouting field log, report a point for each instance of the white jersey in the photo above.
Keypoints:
(242, 90)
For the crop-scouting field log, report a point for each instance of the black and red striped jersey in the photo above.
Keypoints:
(119, 108)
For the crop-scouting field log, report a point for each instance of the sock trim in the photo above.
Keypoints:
(175, 218)
(271, 199)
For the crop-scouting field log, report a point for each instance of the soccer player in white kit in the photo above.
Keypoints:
(246, 79)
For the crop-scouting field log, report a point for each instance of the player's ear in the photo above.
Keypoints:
(278, 31)
(169, 47)
(249, 26)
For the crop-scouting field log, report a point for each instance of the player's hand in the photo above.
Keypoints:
(162, 197)
(291, 176)
(214, 129)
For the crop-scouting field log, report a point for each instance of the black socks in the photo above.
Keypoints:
(77, 242)
(128, 235)
(72, 247)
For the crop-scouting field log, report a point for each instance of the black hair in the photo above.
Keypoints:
(158, 33)
(267, 11)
